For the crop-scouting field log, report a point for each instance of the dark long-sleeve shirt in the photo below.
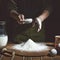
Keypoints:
(30, 8)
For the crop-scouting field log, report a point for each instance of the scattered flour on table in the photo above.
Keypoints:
(30, 45)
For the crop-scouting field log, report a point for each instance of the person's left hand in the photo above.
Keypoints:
(39, 23)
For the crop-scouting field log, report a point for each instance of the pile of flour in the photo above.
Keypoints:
(30, 45)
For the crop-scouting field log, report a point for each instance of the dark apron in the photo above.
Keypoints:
(25, 32)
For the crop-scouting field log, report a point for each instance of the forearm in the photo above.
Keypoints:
(18, 17)
(44, 15)
(41, 18)
(14, 14)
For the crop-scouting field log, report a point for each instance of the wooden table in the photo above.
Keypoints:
(12, 53)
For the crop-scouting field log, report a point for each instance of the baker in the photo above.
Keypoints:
(35, 10)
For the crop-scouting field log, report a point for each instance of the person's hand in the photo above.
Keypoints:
(21, 19)
(39, 23)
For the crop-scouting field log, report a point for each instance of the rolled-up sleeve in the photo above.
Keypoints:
(47, 5)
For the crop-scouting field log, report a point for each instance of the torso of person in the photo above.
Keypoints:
(30, 9)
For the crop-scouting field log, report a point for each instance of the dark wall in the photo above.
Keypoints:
(53, 22)
(3, 9)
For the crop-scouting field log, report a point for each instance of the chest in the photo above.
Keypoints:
(29, 3)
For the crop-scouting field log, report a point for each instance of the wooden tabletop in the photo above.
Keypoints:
(26, 53)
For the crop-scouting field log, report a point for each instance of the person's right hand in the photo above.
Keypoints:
(21, 19)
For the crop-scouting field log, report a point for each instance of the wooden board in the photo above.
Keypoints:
(26, 53)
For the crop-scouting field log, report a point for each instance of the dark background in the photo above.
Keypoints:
(52, 24)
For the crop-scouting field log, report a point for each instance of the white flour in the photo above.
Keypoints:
(30, 46)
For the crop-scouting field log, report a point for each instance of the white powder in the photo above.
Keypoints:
(30, 46)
